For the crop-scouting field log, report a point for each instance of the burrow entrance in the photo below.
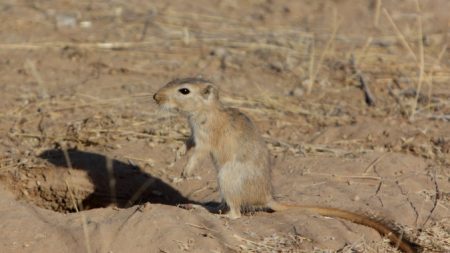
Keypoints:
(93, 182)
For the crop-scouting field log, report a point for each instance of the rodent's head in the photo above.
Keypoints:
(187, 95)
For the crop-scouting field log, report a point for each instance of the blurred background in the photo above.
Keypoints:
(283, 45)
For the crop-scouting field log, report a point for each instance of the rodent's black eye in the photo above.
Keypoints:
(184, 91)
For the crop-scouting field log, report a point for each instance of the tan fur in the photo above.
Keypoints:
(239, 153)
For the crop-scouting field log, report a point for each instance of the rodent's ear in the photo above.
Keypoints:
(210, 92)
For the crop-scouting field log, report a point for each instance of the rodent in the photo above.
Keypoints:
(239, 154)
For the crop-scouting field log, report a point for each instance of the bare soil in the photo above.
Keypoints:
(88, 163)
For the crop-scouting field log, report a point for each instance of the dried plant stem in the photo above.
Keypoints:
(364, 51)
(312, 78)
(368, 96)
(31, 66)
(400, 34)
(75, 204)
(430, 73)
(373, 163)
(376, 20)
(255, 243)
(421, 61)
(202, 227)
(139, 192)
(344, 177)
(112, 180)
(311, 62)
(61, 44)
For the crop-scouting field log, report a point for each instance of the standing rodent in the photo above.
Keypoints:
(239, 153)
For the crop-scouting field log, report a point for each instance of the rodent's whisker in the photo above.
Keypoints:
(142, 95)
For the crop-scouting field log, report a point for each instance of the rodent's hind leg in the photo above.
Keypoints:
(234, 206)
(235, 211)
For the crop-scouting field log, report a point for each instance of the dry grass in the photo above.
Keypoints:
(76, 205)
(273, 243)
(434, 239)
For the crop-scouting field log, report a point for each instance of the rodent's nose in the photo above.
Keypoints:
(159, 98)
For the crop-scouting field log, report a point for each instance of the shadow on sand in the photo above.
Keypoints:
(116, 182)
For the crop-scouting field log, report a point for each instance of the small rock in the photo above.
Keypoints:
(219, 52)
(86, 24)
(65, 20)
(297, 92)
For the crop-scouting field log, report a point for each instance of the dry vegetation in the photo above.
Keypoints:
(352, 98)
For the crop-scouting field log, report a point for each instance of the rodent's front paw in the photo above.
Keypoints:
(180, 152)
(186, 174)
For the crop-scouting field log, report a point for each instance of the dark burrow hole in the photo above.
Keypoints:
(93, 182)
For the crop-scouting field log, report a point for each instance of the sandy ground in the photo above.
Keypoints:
(88, 163)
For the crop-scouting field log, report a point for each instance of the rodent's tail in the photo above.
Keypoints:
(395, 238)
